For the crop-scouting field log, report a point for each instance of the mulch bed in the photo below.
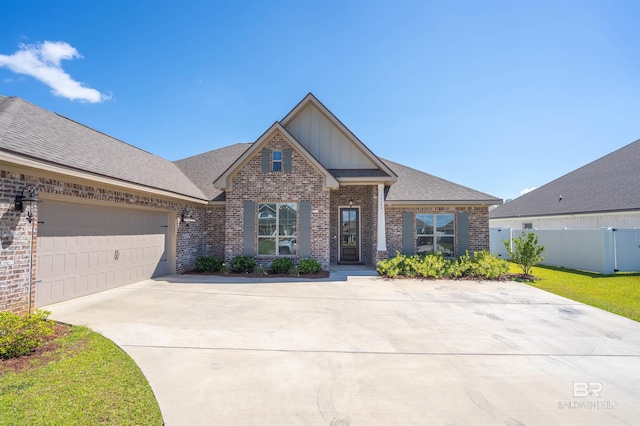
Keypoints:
(44, 352)
(317, 275)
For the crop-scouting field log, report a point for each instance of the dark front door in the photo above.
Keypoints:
(349, 234)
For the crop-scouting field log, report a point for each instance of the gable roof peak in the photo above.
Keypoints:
(310, 98)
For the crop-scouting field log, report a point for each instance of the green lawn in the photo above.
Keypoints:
(619, 293)
(88, 380)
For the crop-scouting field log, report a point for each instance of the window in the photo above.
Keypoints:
(276, 161)
(435, 233)
(277, 229)
(527, 225)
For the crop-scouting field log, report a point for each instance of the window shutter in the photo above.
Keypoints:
(408, 234)
(463, 232)
(249, 228)
(266, 160)
(304, 233)
(286, 161)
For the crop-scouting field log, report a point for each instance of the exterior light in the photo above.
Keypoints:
(186, 219)
(27, 199)
(350, 203)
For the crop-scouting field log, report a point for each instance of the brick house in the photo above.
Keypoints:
(112, 214)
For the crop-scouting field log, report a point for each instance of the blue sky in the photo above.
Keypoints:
(499, 96)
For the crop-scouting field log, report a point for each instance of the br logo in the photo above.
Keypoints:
(585, 389)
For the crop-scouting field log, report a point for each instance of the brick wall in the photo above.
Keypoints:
(304, 183)
(15, 231)
(478, 225)
(214, 231)
(15, 250)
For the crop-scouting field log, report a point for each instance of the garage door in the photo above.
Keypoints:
(85, 249)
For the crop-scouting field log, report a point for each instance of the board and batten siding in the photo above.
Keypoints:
(326, 142)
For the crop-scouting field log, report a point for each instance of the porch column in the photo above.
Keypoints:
(382, 232)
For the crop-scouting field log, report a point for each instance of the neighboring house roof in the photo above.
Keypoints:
(203, 169)
(416, 187)
(37, 134)
(610, 183)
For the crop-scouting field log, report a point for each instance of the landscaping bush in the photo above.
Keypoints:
(242, 264)
(309, 266)
(488, 267)
(526, 252)
(21, 334)
(282, 265)
(428, 266)
(208, 264)
(481, 265)
(392, 267)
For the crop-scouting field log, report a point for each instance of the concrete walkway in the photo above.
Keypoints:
(365, 351)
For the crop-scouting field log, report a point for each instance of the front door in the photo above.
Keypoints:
(349, 234)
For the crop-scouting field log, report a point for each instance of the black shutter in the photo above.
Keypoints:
(408, 234)
(463, 232)
(286, 160)
(249, 229)
(266, 160)
(304, 234)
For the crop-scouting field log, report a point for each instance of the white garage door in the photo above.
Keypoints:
(84, 249)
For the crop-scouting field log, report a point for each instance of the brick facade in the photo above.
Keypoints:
(304, 183)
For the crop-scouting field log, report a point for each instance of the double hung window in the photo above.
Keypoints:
(276, 161)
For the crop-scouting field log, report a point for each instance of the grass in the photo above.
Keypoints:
(86, 380)
(619, 293)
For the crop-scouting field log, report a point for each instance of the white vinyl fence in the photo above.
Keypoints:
(601, 250)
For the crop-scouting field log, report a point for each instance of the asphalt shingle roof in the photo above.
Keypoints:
(26, 129)
(203, 169)
(610, 183)
(414, 185)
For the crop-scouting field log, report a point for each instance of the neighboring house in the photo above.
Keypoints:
(112, 214)
(602, 194)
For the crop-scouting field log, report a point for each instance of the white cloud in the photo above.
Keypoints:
(42, 61)
(524, 191)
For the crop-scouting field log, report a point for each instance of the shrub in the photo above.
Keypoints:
(481, 265)
(242, 264)
(392, 267)
(526, 252)
(309, 266)
(488, 267)
(21, 334)
(429, 265)
(208, 264)
(282, 265)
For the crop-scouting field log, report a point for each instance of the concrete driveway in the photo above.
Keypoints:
(367, 351)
